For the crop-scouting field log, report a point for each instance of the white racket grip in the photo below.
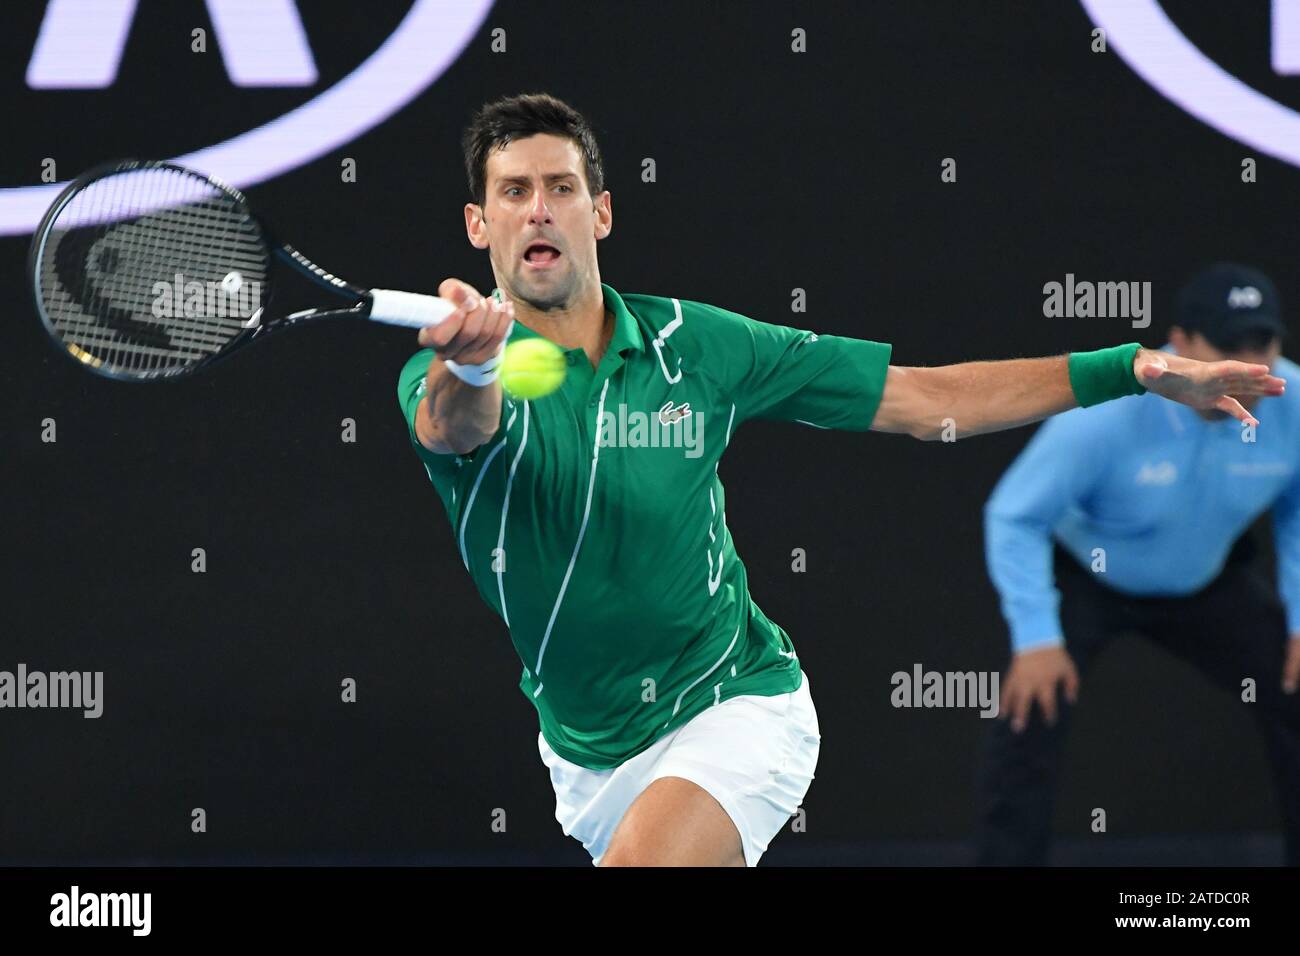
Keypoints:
(410, 309)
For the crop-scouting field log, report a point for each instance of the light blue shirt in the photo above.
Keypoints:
(1161, 492)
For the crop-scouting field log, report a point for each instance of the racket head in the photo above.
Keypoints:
(144, 270)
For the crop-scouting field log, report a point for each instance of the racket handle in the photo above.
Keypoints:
(409, 309)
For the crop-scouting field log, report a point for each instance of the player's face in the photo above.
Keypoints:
(1196, 346)
(540, 223)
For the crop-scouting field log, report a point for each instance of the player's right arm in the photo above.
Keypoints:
(455, 417)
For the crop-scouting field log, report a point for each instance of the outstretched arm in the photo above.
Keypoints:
(978, 397)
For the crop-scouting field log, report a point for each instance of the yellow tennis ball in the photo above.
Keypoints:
(532, 368)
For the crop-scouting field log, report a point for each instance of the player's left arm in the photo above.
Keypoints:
(979, 397)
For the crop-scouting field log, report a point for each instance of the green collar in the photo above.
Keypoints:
(627, 334)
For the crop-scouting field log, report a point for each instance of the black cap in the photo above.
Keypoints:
(1226, 302)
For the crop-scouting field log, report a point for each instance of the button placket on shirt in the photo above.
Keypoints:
(611, 362)
(577, 386)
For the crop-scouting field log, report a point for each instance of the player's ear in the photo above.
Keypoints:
(603, 215)
(476, 226)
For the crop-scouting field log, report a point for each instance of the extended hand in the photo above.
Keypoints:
(1205, 384)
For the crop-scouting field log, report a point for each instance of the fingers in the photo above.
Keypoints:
(1242, 378)
(1047, 701)
(481, 334)
(1071, 682)
(466, 298)
(439, 336)
(456, 291)
(1022, 691)
(1232, 378)
(471, 330)
(1020, 709)
(1249, 369)
(472, 333)
(1291, 669)
(1006, 698)
(1226, 403)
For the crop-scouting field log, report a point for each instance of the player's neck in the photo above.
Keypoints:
(586, 325)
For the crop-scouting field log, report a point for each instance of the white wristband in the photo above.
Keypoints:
(484, 373)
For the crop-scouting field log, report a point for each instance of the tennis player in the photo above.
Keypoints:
(676, 722)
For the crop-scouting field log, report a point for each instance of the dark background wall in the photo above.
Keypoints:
(329, 560)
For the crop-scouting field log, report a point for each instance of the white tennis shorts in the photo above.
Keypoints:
(755, 756)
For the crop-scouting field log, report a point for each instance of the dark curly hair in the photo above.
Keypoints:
(498, 123)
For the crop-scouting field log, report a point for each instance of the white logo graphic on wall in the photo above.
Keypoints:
(1149, 42)
(81, 42)
(263, 43)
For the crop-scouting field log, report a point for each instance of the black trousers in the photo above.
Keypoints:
(1232, 629)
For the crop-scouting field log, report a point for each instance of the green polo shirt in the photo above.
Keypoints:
(594, 523)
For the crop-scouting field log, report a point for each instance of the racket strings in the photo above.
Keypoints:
(148, 270)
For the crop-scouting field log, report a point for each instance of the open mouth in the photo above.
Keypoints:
(541, 255)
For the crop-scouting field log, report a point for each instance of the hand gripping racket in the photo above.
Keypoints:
(145, 270)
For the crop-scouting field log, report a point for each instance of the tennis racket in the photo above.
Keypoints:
(147, 271)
